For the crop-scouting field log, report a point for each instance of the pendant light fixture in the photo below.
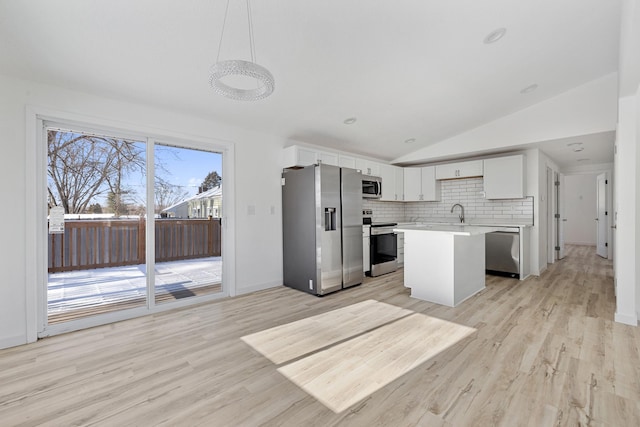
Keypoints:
(237, 67)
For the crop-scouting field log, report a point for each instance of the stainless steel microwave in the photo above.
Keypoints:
(371, 187)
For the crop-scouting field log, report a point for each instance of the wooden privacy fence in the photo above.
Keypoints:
(88, 244)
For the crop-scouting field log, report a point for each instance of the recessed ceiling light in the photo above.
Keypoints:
(495, 35)
(409, 141)
(529, 88)
(583, 160)
(350, 121)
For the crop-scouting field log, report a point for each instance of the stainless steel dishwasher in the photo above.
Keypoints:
(503, 253)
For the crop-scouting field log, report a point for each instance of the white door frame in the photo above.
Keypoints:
(602, 217)
(551, 253)
(36, 246)
(562, 218)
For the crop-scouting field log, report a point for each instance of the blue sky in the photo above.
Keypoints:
(183, 167)
(187, 167)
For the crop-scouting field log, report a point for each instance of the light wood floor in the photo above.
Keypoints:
(542, 352)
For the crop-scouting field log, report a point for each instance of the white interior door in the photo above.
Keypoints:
(551, 240)
(601, 219)
(561, 214)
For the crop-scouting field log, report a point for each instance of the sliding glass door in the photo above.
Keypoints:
(118, 240)
(188, 234)
(96, 228)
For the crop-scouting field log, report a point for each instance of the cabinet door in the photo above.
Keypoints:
(448, 171)
(346, 161)
(459, 170)
(388, 175)
(400, 246)
(430, 187)
(368, 167)
(375, 168)
(470, 169)
(399, 172)
(412, 184)
(504, 177)
(363, 165)
(328, 158)
(298, 156)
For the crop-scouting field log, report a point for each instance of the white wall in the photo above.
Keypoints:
(580, 209)
(627, 162)
(543, 227)
(258, 242)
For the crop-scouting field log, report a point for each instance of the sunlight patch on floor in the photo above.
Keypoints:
(343, 356)
(302, 337)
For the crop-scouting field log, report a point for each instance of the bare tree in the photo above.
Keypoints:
(167, 194)
(82, 167)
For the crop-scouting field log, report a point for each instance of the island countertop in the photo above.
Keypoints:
(460, 230)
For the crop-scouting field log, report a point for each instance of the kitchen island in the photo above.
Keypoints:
(444, 264)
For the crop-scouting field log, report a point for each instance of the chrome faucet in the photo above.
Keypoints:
(461, 216)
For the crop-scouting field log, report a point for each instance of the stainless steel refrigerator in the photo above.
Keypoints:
(322, 228)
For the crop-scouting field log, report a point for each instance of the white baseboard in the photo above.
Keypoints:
(627, 319)
(258, 287)
(14, 341)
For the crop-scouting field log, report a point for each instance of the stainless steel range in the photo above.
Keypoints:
(383, 248)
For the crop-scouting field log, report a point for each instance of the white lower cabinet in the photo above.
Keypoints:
(400, 243)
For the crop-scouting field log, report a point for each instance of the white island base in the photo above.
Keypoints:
(443, 267)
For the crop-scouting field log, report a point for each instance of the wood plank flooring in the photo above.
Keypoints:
(541, 352)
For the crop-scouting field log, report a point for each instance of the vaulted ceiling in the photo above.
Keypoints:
(406, 69)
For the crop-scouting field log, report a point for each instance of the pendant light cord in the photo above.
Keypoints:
(224, 23)
(250, 22)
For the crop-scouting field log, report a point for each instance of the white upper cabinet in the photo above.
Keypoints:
(459, 170)
(346, 161)
(430, 187)
(298, 156)
(504, 177)
(304, 156)
(368, 167)
(412, 184)
(392, 190)
(328, 158)
(420, 184)
(399, 182)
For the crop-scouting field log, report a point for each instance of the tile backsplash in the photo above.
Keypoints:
(467, 192)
